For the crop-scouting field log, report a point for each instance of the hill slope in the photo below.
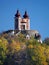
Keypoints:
(17, 50)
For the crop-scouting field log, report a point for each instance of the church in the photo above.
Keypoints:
(22, 25)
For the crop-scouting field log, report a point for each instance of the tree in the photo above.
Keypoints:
(3, 50)
(46, 41)
(36, 53)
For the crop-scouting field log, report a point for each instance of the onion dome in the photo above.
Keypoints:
(25, 15)
(17, 14)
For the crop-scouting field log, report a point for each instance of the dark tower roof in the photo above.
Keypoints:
(25, 15)
(17, 14)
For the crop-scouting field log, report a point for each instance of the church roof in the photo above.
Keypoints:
(17, 14)
(25, 15)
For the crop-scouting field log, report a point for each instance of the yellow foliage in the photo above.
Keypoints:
(47, 53)
(3, 43)
(15, 46)
(18, 47)
(44, 63)
(0, 40)
(30, 46)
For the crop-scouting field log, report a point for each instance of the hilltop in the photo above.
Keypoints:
(23, 46)
(28, 34)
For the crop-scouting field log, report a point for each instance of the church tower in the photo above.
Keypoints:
(22, 23)
(17, 20)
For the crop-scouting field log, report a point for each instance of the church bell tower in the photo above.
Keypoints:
(22, 23)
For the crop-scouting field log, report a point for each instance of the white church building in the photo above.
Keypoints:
(22, 25)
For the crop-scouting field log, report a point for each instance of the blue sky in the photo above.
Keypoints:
(38, 11)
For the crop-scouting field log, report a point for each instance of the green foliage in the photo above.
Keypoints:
(21, 37)
(46, 41)
(17, 50)
(3, 50)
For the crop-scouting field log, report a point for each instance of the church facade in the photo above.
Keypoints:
(22, 23)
